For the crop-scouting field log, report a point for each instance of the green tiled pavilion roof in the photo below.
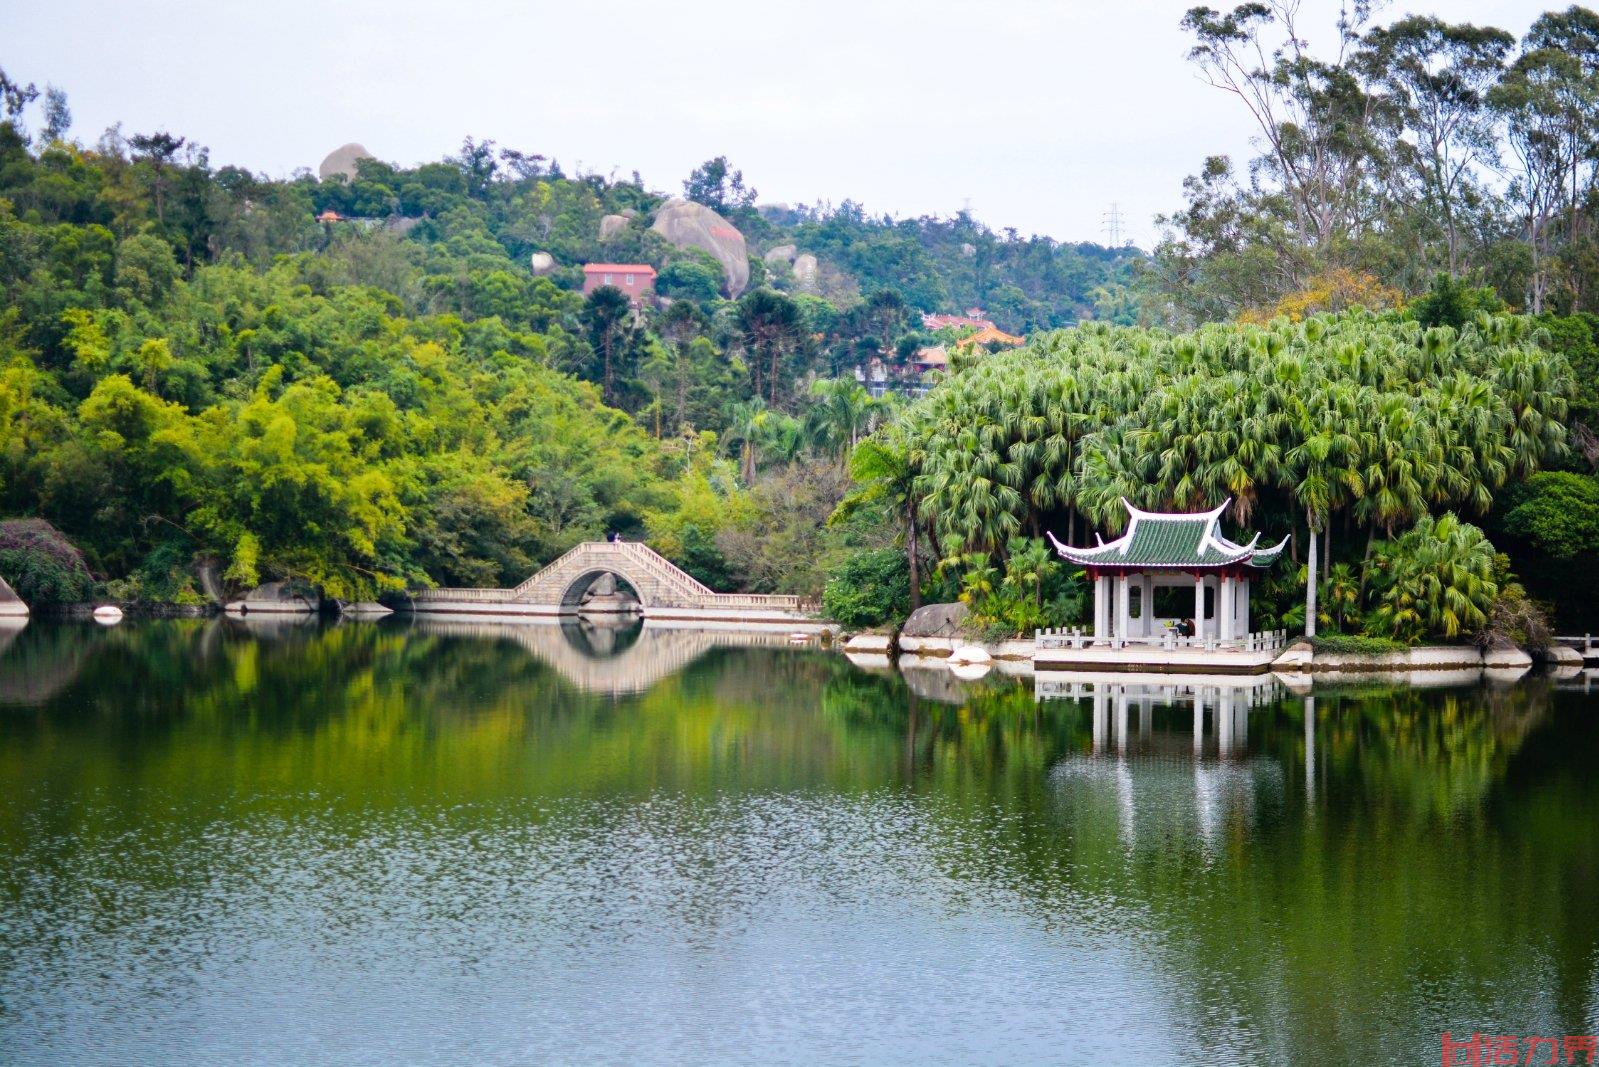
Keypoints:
(1179, 541)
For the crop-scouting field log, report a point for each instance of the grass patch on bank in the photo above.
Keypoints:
(1356, 645)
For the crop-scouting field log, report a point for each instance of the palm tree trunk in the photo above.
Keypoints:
(1310, 580)
(910, 556)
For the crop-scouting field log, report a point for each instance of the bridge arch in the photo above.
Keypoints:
(658, 584)
(581, 582)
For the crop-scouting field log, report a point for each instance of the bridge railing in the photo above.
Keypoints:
(466, 596)
(1075, 638)
(1584, 643)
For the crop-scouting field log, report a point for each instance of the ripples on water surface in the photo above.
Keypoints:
(382, 844)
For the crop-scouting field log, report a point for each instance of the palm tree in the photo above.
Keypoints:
(882, 467)
(841, 415)
(744, 429)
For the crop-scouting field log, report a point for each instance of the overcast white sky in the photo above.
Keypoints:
(1043, 114)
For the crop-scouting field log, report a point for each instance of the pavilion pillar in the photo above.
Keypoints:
(1101, 608)
(1199, 605)
(1123, 595)
(1242, 605)
(1224, 609)
(1149, 605)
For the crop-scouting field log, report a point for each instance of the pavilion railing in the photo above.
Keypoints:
(1075, 638)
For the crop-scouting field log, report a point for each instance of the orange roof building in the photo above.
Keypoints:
(990, 334)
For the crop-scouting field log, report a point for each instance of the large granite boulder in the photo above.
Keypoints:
(542, 263)
(278, 598)
(11, 605)
(611, 225)
(342, 161)
(1561, 656)
(689, 225)
(780, 254)
(935, 620)
(805, 272)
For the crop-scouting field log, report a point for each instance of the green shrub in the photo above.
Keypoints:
(1356, 644)
(42, 566)
(872, 588)
(1556, 512)
(1435, 580)
(1034, 590)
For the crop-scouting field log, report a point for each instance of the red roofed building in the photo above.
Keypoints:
(637, 280)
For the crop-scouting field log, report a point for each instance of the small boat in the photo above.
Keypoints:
(107, 614)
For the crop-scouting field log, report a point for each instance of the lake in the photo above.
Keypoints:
(459, 843)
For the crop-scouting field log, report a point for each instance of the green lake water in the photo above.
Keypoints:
(462, 844)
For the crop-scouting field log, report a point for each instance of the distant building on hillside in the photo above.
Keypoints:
(973, 319)
(637, 280)
(988, 335)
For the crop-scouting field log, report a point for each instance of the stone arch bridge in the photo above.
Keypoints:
(665, 591)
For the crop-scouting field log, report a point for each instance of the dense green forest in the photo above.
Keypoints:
(194, 364)
(1377, 337)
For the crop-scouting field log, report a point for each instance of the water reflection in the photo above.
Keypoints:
(459, 842)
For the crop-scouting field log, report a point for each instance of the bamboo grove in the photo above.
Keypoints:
(1356, 426)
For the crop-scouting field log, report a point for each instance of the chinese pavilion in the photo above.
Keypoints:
(1162, 550)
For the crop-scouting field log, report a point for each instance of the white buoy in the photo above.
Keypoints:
(969, 672)
(970, 654)
(107, 614)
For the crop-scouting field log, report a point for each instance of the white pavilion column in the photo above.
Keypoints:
(1101, 608)
(1199, 606)
(1224, 609)
(1123, 595)
(1149, 605)
(1241, 606)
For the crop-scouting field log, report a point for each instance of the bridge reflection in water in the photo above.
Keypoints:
(605, 654)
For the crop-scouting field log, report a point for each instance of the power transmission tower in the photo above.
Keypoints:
(1112, 220)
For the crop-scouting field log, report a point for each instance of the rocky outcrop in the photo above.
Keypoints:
(277, 598)
(805, 273)
(11, 605)
(341, 162)
(686, 224)
(780, 254)
(1562, 656)
(611, 225)
(542, 263)
(935, 620)
(364, 609)
(870, 643)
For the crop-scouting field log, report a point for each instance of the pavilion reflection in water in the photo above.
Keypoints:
(1124, 709)
(1172, 750)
